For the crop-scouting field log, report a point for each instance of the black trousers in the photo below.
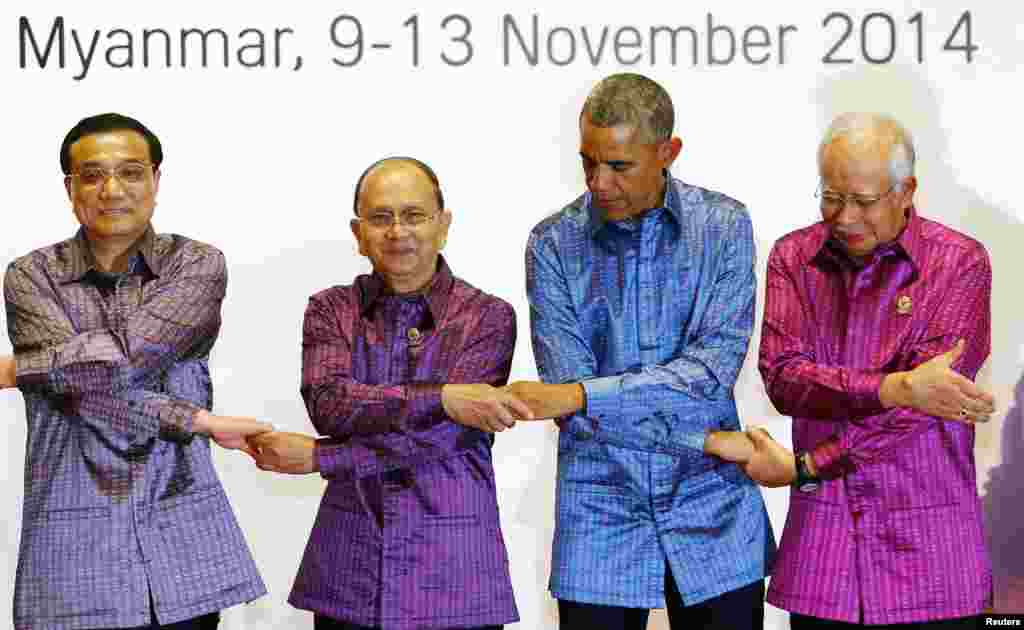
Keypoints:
(741, 609)
(802, 622)
(326, 623)
(206, 622)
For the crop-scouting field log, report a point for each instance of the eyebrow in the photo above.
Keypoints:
(612, 163)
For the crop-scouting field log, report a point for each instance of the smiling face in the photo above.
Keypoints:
(112, 208)
(405, 255)
(863, 171)
(625, 176)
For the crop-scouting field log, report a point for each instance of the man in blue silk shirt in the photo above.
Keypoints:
(641, 306)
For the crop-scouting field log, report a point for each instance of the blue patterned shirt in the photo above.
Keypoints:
(653, 316)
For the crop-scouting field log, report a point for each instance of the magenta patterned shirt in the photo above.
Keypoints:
(407, 535)
(895, 533)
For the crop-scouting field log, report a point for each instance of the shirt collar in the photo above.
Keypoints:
(672, 202)
(906, 245)
(78, 258)
(372, 288)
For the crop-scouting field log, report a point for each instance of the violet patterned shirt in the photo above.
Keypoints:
(895, 533)
(123, 509)
(407, 535)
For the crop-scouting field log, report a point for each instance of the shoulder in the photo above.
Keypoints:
(710, 206)
(952, 244)
(571, 218)
(52, 259)
(800, 245)
(465, 297)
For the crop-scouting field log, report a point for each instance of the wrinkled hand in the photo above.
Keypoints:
(288, 453)
(772, 465)
(935, 389)
(548, 400)
(8, 373)
(483, 407)
(732, 446)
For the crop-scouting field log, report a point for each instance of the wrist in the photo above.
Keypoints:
(895, 390)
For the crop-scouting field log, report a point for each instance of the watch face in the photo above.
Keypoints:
(809, 486)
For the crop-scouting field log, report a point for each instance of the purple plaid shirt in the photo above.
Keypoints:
(407, 535)
(895, 534)
(122, 505)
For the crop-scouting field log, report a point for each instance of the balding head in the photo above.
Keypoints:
(398, 161)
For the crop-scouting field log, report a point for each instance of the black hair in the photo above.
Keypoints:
(101, 123)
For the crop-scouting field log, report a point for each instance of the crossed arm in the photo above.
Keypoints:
(103, 375)
(875, 411)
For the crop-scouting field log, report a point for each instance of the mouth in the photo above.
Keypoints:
(115, 212)
(851, 238)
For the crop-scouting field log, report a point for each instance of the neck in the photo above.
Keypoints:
(113, 253)
(407, 284)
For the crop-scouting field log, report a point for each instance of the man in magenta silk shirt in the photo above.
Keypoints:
(876, 320)
(399, 373)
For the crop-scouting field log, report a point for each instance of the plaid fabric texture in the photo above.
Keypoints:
(122, 503)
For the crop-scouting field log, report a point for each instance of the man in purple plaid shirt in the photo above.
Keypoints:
(124, 523)
(400, 372)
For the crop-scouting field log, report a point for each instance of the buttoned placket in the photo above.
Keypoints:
(406, 313)
(123, 300)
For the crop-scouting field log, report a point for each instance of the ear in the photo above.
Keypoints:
(68, 181)
(446, 222)
(156, 181)
(669, 150)
(358, 233)
(909, 188)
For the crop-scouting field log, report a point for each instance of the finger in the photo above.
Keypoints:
(518, 407)
(505, 417)
(261, 440)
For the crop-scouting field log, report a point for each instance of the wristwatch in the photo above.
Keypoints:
(804, 481)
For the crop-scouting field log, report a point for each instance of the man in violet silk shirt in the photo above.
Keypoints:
(876, 320)
(400, 374)
(125, 523)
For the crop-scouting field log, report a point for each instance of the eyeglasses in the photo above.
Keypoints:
(129, 173)
(412, 218)
(831, 200)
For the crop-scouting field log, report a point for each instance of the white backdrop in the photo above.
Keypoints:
(262, 161)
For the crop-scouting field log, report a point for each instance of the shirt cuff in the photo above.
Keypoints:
(176, 421)
(830, 461)
(603, 398)
(864, 389)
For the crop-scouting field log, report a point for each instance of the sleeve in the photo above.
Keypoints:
(371, 428)
(179, 316)
(674, 403)
(964, 313)
(797, 384)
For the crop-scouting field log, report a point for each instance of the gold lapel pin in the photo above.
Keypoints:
(904, 304)
(415, 336)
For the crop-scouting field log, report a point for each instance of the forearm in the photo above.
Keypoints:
(178, 317)
(140, 415)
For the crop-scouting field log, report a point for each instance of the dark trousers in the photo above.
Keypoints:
(742, 609)
(801, 622)
(206, 622)
(326, 623)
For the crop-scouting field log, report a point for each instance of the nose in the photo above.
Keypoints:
(111, 188)
(600, 179)
(397, 229)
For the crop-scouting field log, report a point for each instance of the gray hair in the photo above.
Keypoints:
(870, 129)
(635, 100)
